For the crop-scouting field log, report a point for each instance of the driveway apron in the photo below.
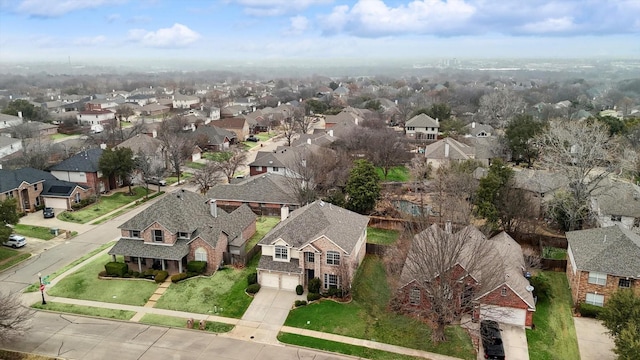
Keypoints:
(593, 341)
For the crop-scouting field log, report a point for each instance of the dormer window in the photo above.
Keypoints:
(134, 233)
(281, 253)
(183, 235)
(158, 236)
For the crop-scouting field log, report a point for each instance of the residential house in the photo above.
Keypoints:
(422, 127)
(180, 227)
(446, 150)
(31, 129)
(184, 101)
(215, 138)
(8, 121)
(154, 109)
(284, 159)
(33, 188)
(616, 202)
(82, 168)
(9, 145)
(150, 146)
(245, 102)
(479, 130)
(100, 104)
(602, 261)
(318, 240)
(266, 194)
(231, 111)
(541, 184)
(95, 117)
(141, 99)
(343, 117)
(507, 300)
(214, 113)
(238, 125)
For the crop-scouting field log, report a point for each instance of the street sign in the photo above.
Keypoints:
(45, 280)
(42, 287)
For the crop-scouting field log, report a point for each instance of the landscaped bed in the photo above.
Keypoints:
(554, 336)
(38, 232)
(222, 294)
(85, 310)
(172, 321)
(85, 284)
(105, 205)
(382, 236)
(367, 317)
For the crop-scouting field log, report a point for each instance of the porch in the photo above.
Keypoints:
(140, 255)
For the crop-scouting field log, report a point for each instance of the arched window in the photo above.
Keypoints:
(201, 254)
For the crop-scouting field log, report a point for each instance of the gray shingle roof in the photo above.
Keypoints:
(422, 121)
(618, 198)
(215, 134)
(138, 248)
(339, 225)
(265, 188)
(457, 150)
(539, 181)
(11, 179)
(267, 263)
(86, 161)
(612, 250)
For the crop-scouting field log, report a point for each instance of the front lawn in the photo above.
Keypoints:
(382, 236)
(554, 336)
(10, 257)
(221, 294)
(172, 321)
(367, 317)
(85, 310)
(174, 179)
(104, 205)
(265, 136)
(218, 156)
(195, 165)
(84, 284)
(396, 173)
(38, 232)
(264, 224)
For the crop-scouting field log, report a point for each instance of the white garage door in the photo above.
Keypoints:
(269, 280)
(56, 203)
(289, 282)
(505, 315)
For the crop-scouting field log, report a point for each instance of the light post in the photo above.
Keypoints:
(41, 288)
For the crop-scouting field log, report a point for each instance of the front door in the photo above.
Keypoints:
(310, 275)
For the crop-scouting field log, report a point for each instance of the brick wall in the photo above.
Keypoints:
(169, 238)
(580, 286)
(214, 255)
(511, 300)
(249, 231)
(253, 170)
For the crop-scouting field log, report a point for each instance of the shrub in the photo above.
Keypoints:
(253, 288)
(313, 297)
(541, 286)
(299, 289)
(314, 285)
(83, 203)
(197, 266)
(588, 310)
(178, 277)
(252, 278)
(135, 274)
(149, 273)
(300, 303)
(334, 292)
(102, 273)
(161, 276)
(116, 268)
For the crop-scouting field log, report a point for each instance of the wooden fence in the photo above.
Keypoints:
(554, 265)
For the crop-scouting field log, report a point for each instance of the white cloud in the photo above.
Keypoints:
(276, 7)
(60, 7)
(298, 25)
(551, 25)
(113, 17)
(176, 36)
(90, 41)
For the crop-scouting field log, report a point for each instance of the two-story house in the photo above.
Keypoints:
(184, 101)
(318, 240)
(182, 226)
(422, 127)
(83, 168)
(617, 202)
(9, 145)
(95, 117)
(601, 261)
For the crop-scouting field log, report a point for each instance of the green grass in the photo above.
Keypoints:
(342, 348)
(127, 209)
(10, 257)
(105, 205)
(195, 165)
(397, 173)
(367, 317)
(554, 253)
(59, 136)
(217, 156)
(85, 310)
(382, 236)
(265, 136)
(172, 321)
(555, 335)
(174, 179)
(85, 285)
(225, 289)
(264, 224)
(35, 286)
(38, 232)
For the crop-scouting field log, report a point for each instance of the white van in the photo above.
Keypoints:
(16, 241)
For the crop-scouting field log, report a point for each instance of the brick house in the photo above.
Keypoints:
(507, 300)
(422, 127)
(82, 168)
(318, 240)
(182, 226)
(238, 125)
(601, 261)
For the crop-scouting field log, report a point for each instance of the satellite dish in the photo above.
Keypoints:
(529, 288)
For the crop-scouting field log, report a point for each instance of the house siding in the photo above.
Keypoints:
(511, 300)
(169, 238)
(580, 286)
(214, 255)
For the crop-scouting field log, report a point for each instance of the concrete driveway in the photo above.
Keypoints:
(266, 315)
(594, 342)
(514, 340)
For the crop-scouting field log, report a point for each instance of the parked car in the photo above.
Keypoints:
(48, 213)
(156, 181)
(253, 138)
(15, 241)
(491, 340)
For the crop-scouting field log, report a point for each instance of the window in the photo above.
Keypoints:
(38, 201)
(595, 299)
(282, 253)
(414, 296)
(310, 257)
(624, 283)
(503, 291)
(616, 218)
(183, 235)
(411, 128)
(333, 258)
(77, 199)
(201, 254)
(330, 281)
(35, 187)
(158, 236)
(276, 169)
(10, 194)
(134, 233)
(597, 278)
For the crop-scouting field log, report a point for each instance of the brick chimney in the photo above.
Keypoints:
(284, 213)
(213, 208)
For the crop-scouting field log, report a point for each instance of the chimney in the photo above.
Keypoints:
(278, 103)
(309, 141)
(103, 146)
(154, 134)
(213, 208)
(396, 101)
(446, 149)
(473, 125)
(437, 120)
(20, 114)
(284, 213)
(254, 109)
(330, 132)
(447, 227)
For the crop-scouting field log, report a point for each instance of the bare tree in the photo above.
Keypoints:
(532, 259)
(585, 154)
(148, 168)
(420, 170)
(453, 189)
(448, 269)
(499, 107)
(15, 318)
(230, 163)
(387, 149)
(288, 126)
(177, 145)
(207, 177)
(302, 120)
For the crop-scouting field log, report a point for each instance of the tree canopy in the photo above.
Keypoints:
(8, 216)
(519, 136)
(362, 188)
(621, 315)
(117, 163)
(28, 110)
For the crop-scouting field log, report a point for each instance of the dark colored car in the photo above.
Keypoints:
(48, 213)
(253, 138)
(491, 340)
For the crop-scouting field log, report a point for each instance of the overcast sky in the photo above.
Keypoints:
(251, 30)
